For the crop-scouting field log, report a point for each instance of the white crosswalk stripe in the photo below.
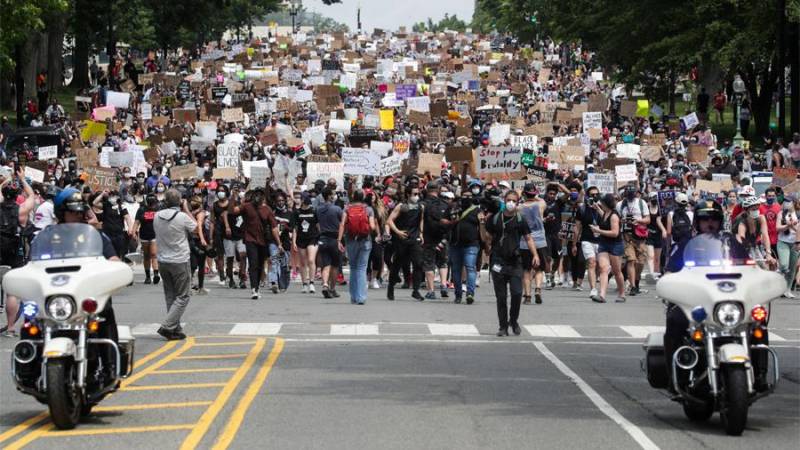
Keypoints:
(256, 329)
(453, 329)
(552, 331)
(641, 332)
(148, 329)
(354, 329)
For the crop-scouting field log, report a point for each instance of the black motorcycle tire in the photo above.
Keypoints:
(736, 401)
(63, 396)
(698, 412)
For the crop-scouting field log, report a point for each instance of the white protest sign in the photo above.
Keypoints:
(247, 166)
(626, 173)
(118, 99)
(147, 111)
(499, 160)
(380, 147)
(629, 151)
(325, 171)
(597, 76)
(372, 121)
(391, 165)
(36, 175)
(499, 132)
(421, 104)
(592, 120)
(228, 156)
(359, 161)
(120, 159)
(604, 182)
(525, 142)
(206, 130)
(314, 135)
(49, 152)
(690, 120)
(339, 126)
(259, 176)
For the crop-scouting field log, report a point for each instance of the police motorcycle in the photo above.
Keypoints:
(61, 359)
(723, 363)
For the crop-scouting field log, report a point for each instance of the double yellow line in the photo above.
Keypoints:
(199, 429)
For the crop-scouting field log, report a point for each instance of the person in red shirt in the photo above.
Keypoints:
(772, 211)
(746, 191)
(719, 105)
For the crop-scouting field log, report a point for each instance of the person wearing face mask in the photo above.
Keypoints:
(160, 189)
(143, 228)
(198, 244)
(504, 230)
(279, 257)
(157, 178)
(465, 243)
(787, 252)
(406, 223)
(115, 220)
(259, 222)
(750, 233)
(656, 232)
(771, 210)
(588, 215)
(228, 234)
(304, 241)
(636, 218)
(329, 217)
(572, 261)
(680, 231)
(532, 210)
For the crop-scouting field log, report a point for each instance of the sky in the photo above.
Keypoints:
(391, 14)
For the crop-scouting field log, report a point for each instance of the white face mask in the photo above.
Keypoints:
(754, 214)
(113, 199)
(413, 199)
(476, 191)
(221, 195)
(160, 189)
(511, 205)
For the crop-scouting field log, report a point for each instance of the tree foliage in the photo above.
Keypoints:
(18, 19)
(448, 22)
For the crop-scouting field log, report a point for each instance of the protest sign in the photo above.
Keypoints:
(690, 121)
(422, 104)
(339, 126)
(458, 154)
(103, 113)
(437, 135)
(628, 151)
(439, 110)
(184, 115)
(404, 91)
(228, 156)
(568, 156)
(724, 179)
(120, 159)
(792, 189)
(627, 108)
(782, 177)
(430, 163)
(650, 152)
(499, 132)
(35, 175)
(626, 172)
(387, 119)
(230, 115)
(542, 130)
(380, 147)
(419, 118)
(184, 172)
(499, 160)
(605, 182)
(101, 179)
(597, 103)
(666, 201)
(529, 141)
(592, 120)
(359, 161)
(118, 99)
(147, 111)
(259, 176)
(48, 152)
(325, 171)
(87, 157)
(697, 153)
(390, 166)
(225, 173)
(711, 187)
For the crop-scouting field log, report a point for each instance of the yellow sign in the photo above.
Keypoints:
(387, 119)
(93, 129)
(642, 108)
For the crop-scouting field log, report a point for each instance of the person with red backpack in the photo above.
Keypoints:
(358, 224)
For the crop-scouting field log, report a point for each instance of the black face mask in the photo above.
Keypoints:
(466, 202)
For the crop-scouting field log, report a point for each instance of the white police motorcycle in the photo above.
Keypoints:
(727, 305)
(64, 288)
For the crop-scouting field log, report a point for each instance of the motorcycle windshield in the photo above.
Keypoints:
(707, 250)
(67, 241)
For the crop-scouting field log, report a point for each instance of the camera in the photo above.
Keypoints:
(490, 202)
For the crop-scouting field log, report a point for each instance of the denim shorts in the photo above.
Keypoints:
(615, 249)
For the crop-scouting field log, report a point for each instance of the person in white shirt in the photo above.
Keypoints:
(45, 213)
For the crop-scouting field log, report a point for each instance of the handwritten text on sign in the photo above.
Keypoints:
(359, 161)
(499, 160)
(228, 156)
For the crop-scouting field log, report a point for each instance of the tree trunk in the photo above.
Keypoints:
(55, 51)
(80, 59)
(671, 93)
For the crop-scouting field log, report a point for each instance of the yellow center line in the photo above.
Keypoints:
(160, 387)
(194, 438)
(237, 416)
(8, 434)
(224, 344)
(181, 371)
(42, 430)
(96, 431)
(149, 406)
(223, 356)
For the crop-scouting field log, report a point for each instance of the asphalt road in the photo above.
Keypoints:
(295, 370)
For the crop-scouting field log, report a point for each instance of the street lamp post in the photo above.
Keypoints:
(294, 8)
(738, 90)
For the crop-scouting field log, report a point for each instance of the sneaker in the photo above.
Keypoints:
(598, 299)
(334, 293)
(502, 332)
(443, 293)
(274, 288)
(516, 329)
(201, 291)
(593, 293)
(170, 335)
(457, 300)
(417, 296)
(548, 285)
(311, 289)
(147, 280)
(242, 284)
(430, 296)
(326, 292)
(305, 289)
(9, 334)
(577, 287)
(537, 298)
(620, 299)
(632, 291)
(526, 299)
(405, 286)
(470, 299)
(222, 281)
(231, 284)
(254, 295)
(156, 278)
(375, 284)
(788, 294)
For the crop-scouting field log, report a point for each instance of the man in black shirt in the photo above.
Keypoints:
(434, 251)
(407, 226)
(583, 239)
(115, 217)
(465, 242)
(504, 230)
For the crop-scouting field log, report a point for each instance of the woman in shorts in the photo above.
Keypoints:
(610, 247)
(305, 240)
(143, 227)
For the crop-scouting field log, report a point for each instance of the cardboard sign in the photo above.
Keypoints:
(458, 154)
(101, 179)
(628, 108)
(697, 153)
(782, 177)
(325, 171)
(419, 118)
(592, 120)
(439, 110)
(501, 160)
(437, 135)
(430, 163)
(184, 115)
(568, 156)
(228, 156)
(225, 173)
(597, 103)
(650, 152)
(360, 161)
(86, 157)
(711, 187)
(626, 173)
(792, 188)
(230, 115)
(48, 152)
(690, 121)
(184, 172)
(542, 130)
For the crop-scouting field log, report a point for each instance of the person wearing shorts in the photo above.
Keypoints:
(306, 236)
(329, 217)
(531, 211)
(143, 226)
(635, 219)
(588, 216)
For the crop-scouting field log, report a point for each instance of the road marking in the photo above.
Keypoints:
(775, 337)
(159, 387)
(202, 426)
(149, 406)
(453, 329)
(145, 429)
(635, 432)
(641, 332)
(222, 356)
(237, 416)
(181, 371)
(552, 331)
(224, 344)
(256, 329)
(189, 343)
(354, 330)
(45, 414)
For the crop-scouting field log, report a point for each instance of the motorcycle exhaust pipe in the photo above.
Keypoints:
(24, 352)
(686, 358)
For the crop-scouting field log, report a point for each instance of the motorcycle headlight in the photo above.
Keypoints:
(728, 314)
(60, 308)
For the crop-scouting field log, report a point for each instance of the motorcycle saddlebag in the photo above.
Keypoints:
(655, 364)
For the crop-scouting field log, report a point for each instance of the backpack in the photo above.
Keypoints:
(357, 225)
(681, 226)
(9, 223)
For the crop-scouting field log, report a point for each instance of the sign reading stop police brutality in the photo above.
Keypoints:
(228, 156)
(499, 160)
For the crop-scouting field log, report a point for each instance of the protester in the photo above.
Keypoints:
(14, 216)
(407, 225)
(464, 246)
(610, 248)
(304, 241)
(329, 217)
(357, 226)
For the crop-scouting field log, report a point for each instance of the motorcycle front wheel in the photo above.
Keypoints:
(63, 395)
(736, 401)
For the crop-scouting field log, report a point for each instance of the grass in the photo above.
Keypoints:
(65, 96)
